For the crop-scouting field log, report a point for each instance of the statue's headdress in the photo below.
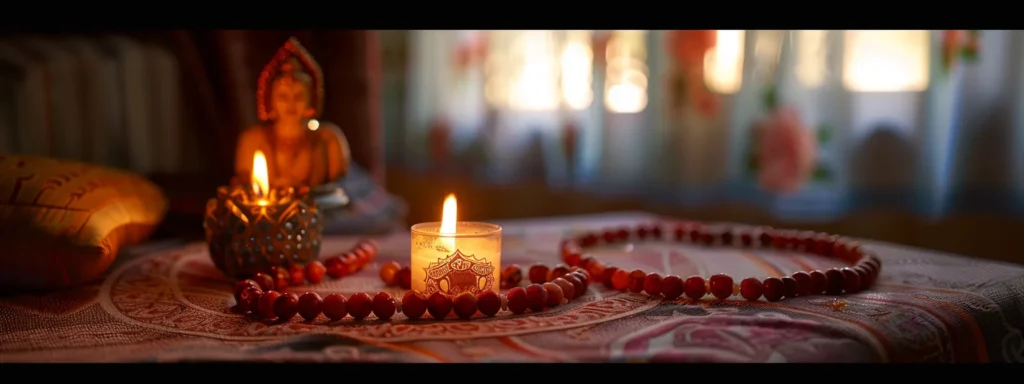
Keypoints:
(292, 56)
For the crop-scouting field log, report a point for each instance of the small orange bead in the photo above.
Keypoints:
(817, 283)
(335, 306)
(516, 300)
(244, 299)
(369, 245)
(620, 280)
(695, 287)
(360, 305)
(352, 264)
(751, 288)
(835, 282)
(572, 257)
(298, 275)
(557, 271)
(383, 306)
(536, 297)
(792, 288)
(538, 274)
(577, 285)
(310, 305)
(281, 278)
(369, 249)
(586, 275)
(720, 286)
(774, 289)
(583, 278)
(851, 280)
(555, 294)
(361, 255)
(252, 299)
(511, 276)
(265, 308)
(335, 267)
(636, 280)
(264, 280)
(439, 305)
(315, 272)
(464, 305)
(405, 278)
(596, 270)
(286, 306)
(414, 305)
(652, 284)
(488, 302)
(672, 287)
(609, 236)
(568, 290)
(588, 240)
(569, 249)
(803, 280)
(243, 285)
(607, 277)
(389, 273)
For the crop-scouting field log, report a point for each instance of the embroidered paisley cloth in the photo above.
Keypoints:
(171, 304)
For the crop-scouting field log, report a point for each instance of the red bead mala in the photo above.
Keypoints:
(863, 272)
(555, 286)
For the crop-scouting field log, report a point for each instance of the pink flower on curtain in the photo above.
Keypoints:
(787, 152)
(957, 45)
(470, 50)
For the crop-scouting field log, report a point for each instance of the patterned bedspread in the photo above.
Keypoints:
(172, 305)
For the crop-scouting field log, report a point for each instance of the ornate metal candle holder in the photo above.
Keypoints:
(247, 233)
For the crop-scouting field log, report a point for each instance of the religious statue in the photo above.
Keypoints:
(300, 150)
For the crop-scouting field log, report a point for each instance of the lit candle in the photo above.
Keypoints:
(454, 256)
(251, 227)
(260, 178)
(449, 216)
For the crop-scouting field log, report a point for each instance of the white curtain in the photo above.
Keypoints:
(896, 127)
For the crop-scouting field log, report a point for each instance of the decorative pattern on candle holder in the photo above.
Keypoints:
(245, 236)
(451, 264)
(460, 273)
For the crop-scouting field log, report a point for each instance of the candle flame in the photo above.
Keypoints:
(448, 215)
(260, 179)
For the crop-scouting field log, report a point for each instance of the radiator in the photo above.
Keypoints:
(108, 100)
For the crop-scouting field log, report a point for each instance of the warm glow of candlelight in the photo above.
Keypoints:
(454, 256)
(449, 218)
(260, 179)
(449, 215)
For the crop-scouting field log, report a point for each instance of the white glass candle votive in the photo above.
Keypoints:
(468, 260)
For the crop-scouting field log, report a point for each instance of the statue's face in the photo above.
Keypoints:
(290, 99)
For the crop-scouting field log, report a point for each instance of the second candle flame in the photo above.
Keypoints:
(449, 215)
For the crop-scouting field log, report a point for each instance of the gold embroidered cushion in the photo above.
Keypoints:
(62, 222)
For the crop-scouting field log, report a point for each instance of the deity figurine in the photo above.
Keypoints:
(300, 150)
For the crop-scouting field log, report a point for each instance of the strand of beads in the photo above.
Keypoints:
(553, 286)
(274, 305)
(863, 272)
(258, 296)
(279, 278)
